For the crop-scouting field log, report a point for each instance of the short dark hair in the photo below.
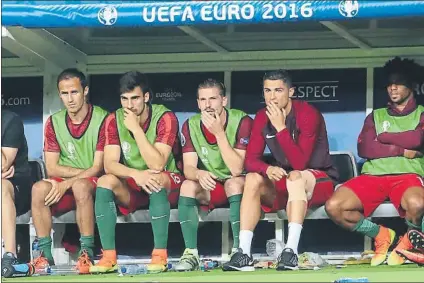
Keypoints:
(72, 73)
(132, 79)
(403, 71)
(280, 74)
(211, 83)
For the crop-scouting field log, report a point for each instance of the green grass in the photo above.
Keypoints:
(406, 273)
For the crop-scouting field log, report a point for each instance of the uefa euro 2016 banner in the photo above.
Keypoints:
(41, 14)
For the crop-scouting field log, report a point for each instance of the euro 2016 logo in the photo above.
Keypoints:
(71, 151)
(108, 15)
(126, 149)
(349, 8)
(205, 154)
(386, 126)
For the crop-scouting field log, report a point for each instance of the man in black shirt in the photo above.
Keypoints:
(15, 180)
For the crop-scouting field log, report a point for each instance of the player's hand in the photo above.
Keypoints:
(149, 180)
(9, 173)
(213, 124)
(206, 180)
(276, 116)
(131, 121)
(275, 173)
(56, 193)
(408, 153)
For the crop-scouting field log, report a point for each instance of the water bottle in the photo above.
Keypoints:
(211, 263)
(35, 249)
(133, 269)
(348, 280)
(58, 270)
(274, 248)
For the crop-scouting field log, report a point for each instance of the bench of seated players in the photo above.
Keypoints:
(344, 161)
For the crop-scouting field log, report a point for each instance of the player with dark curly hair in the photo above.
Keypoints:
(392, 142)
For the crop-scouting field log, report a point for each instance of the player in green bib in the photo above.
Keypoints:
(214, 145)
(73, 152)
(392, 143)
(142, 162)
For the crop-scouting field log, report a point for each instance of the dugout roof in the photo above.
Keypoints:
(182, 36)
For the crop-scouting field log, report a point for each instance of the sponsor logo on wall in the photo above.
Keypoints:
(168, 94)
(317, 91)
(24, 96)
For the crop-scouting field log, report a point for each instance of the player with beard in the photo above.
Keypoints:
(214, 146)
(392, 142)
(145, 138)
(73, 152)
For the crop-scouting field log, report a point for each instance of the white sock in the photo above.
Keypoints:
(294, 236)
(245, 238)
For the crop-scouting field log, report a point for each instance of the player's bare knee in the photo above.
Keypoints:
(189, 188)
(294, 175)
(333, 207)
(40, 190)
(108, 181)
(415, 206)
(234, 186)
(254, 182)
(6, 189)
(83, 191)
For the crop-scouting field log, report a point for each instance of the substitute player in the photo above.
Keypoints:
(302, 177)
(214, 146)
(16, 181)
(73, 152)
(391, 140)
(145, 138)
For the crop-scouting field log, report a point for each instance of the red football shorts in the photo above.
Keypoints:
(140, 199)
(374, 190)
(67, 202)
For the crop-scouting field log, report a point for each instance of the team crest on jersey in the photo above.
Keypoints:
(386, 125)
(244, 141)
(183, 140)
(71, 151)
(126, 149)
